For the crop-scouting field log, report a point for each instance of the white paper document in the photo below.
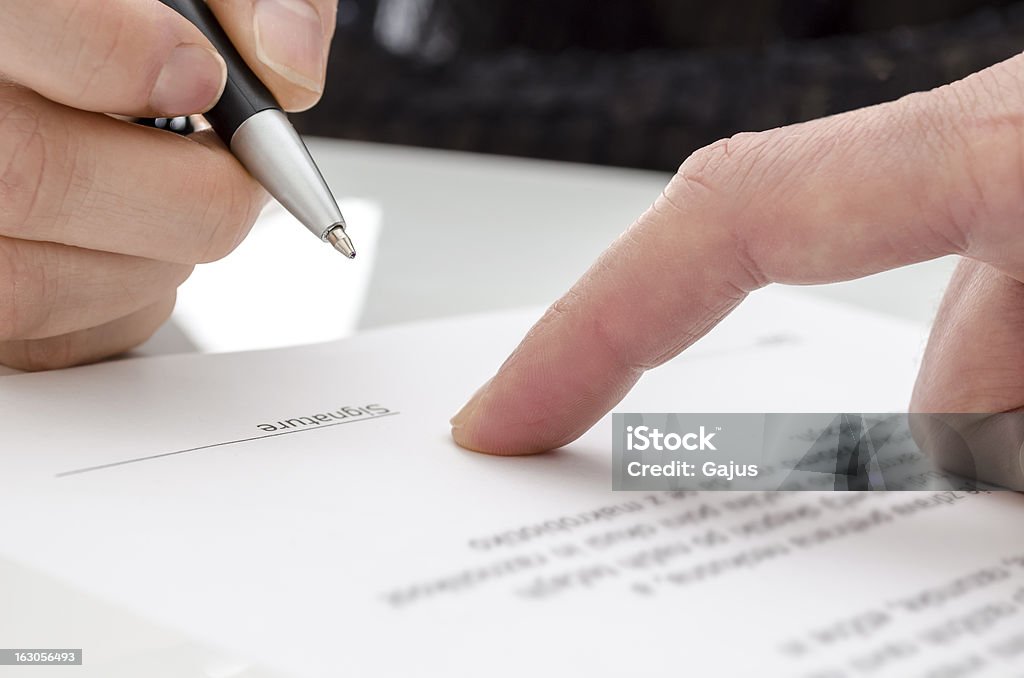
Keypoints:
(306, 508)
(236, 304)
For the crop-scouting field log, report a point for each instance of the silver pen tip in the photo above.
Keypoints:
(341, 242)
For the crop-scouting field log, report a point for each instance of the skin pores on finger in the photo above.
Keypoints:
(830, 199)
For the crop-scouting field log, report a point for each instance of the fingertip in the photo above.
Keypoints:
(284, 42)
(296, 99)
(464, 423)
(192, 80)
(485, 425)
(483, 441)
(289, 42)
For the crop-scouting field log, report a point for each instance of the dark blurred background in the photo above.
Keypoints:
(636, 83)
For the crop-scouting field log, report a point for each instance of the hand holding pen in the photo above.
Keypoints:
(101, 220)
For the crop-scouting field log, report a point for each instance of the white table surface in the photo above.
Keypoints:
(453, 233)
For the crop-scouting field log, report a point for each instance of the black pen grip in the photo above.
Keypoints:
(245, 94)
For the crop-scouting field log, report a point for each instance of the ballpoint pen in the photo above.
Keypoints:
(252, 125)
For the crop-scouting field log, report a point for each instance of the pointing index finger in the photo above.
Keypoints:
(832, 199)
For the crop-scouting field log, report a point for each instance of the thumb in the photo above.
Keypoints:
(285, 42)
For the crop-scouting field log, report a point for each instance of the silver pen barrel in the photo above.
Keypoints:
(271, 150)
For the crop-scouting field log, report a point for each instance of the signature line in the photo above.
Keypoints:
(90, 469)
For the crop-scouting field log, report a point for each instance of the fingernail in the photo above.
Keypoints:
(191, 81)
(463, 416)
(290, 40)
